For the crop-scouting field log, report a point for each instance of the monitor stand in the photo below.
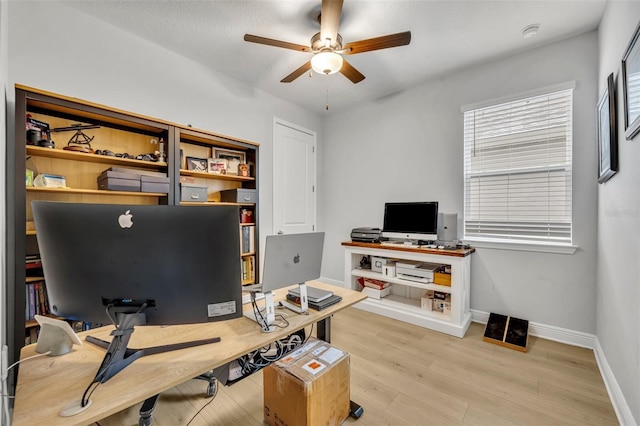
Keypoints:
(265, 318)
(303, 308)
(119, 356)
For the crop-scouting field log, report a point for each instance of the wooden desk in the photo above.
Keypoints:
(47, 384)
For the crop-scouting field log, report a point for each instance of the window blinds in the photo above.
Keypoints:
(517, 170)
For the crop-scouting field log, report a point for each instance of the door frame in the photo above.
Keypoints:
(278, 121)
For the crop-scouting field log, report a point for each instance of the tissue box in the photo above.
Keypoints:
(44, 180)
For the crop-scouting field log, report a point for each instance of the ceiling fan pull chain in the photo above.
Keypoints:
(326, 106)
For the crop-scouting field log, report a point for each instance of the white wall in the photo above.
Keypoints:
(618, 278)
(409, 147)
(65, 51)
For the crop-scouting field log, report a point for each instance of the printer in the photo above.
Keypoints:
(366, 235)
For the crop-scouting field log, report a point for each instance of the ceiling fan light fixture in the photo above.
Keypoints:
(326, 62)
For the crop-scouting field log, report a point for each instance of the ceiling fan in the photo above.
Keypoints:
(327, 47)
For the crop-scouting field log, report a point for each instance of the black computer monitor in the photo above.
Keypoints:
(118, 264)
(182, 261)
(411, 221)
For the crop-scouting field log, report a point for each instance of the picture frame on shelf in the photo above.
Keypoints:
(218, 166)
(607, 135)
(631, 86)
(234, 159)
(197, 164)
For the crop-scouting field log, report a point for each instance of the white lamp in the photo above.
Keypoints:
(326, 62)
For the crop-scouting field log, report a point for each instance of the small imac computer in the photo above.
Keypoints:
(288, 259)
(132, 265)
(410, 222)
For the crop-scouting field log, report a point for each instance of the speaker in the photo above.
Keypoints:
(447, 226)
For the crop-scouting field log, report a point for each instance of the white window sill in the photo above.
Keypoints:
(511, 245)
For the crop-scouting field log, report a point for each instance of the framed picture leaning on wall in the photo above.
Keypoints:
(607, 137)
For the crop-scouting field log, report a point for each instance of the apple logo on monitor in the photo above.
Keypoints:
(296, 258)
(125, 220)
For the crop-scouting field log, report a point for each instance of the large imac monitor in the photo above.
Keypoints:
(182, 262)
(411, 221)
(139, 264)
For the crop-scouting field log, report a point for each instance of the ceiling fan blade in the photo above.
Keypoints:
(350, 72)
(330, 20)
(297, 73)
(276, 43)
(377, 43)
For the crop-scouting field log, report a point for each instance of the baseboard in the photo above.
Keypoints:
(625, 417)
(549, 332)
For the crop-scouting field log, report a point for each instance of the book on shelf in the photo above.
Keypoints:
(37, 300)
(247, 242)
(33, 261)
(32, 336)
(248, 268)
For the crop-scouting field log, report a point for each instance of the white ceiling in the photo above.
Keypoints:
(446, 35)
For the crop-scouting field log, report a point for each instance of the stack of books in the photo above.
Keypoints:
(316, 298)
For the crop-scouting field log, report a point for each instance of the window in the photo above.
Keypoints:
(517, 170)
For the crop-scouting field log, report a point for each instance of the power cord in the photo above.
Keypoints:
(204, 406)
(5, 417)
(261, 320)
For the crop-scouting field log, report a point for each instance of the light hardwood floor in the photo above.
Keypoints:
(407, 375)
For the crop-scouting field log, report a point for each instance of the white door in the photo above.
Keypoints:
(294, 178)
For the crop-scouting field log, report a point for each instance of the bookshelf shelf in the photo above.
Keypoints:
(216, 176)
(100, 192)
(94, 158)
(377, 276)
(409, 305)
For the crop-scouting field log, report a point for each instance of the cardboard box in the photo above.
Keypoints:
(426, 301)
(442, 278)
(442, 275)
(309, 386)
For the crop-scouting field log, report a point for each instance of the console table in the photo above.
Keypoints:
(404, 302)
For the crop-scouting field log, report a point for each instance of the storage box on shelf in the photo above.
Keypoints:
(405, 300)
